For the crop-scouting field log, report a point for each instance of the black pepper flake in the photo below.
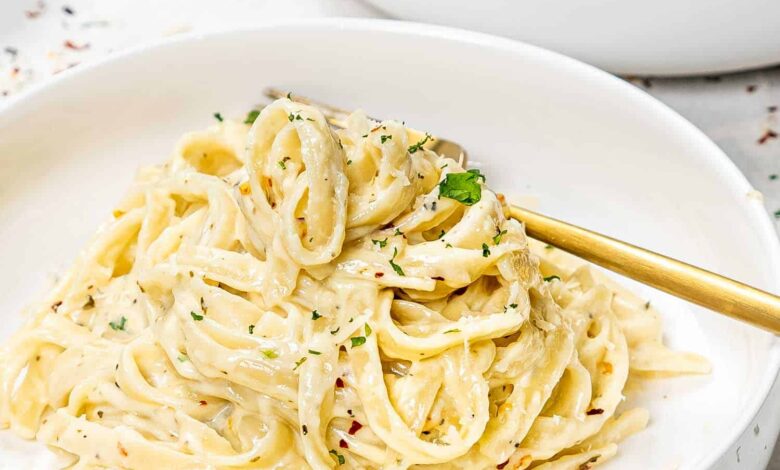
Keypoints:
(305, 430)
(56, 305)
(594, 411)
(750, 88)
(437, 278)
(12, 51)
(68, 10)
(771, 109)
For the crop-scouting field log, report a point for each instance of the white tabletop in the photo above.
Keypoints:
(38, 39)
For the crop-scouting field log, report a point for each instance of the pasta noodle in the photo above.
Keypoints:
(284, 295)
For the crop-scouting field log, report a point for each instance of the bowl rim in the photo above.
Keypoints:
(720, 162)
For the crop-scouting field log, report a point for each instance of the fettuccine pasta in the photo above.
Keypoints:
(280, 294)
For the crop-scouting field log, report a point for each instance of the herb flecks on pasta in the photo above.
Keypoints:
(284, 295)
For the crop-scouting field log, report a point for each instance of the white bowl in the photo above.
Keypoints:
(659, 37)
(594, 150)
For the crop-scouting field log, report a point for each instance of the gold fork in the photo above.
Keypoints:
(702, 287)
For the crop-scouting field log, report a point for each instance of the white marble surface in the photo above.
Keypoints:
(740, 112)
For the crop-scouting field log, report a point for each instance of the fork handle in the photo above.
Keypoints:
(710, 290)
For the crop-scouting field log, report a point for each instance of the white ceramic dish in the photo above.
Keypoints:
(594, 150)
(661, 37)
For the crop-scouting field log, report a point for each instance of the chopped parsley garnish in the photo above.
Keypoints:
(251, 329)
(419, 145)
(441, 235)
(485, 250)
(398, 232)
(316, 353)
(270, 353)
(448, 245)
(647, 305)
(196, 317)
(118, 326)
(182, 358)
(294, 117)
(777, 214)
(358, 341)
(251, 116)
(551, 278)
(507, 307)
(349, 162)
(463, 187)
(398, 270)
(773, 177)
(385, 138)
(338, 457)
(333, 332)
(548, 247)
(315, 315)
(380, 243)
(454, 330)
(299, 362)
(497, 238)
(368, 330)
(283, 163)
(218, 117)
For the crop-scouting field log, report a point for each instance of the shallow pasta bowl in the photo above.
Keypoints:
(587, 147)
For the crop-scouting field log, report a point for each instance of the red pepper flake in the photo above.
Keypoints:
(121, 449)
(343, 444)
(768, 134)
(502, 465)
(354, 428)
(203, 403)
(71, 45)
(339, 382)
(751, 88)
(56, 305)
(594, 411)
(378, 275)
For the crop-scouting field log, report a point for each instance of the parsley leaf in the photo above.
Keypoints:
(218, 117)
(118, 326)
(419, 145)
(463, 187)
(196, 317)
(338, 456)
(497, 238)
(294, 117)
(283, 163)
(299, 362)
(251, 329)
(454, 330)
(358, 341)
(485, 250)
(550, 278)
(368, 330)
(251, 116)
(315, 315)
(381, 243)
(385, 138)
(316, 353)
(270, 353)
(398, 270)
(398, 232)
